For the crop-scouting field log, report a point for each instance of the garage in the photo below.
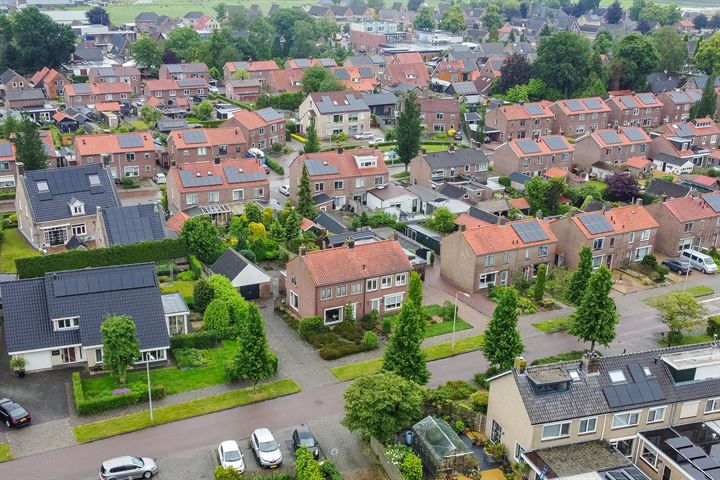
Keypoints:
(249, 279)
(38, 360)
(250, 292)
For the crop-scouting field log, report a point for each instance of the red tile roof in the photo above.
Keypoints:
(623, 133)
(469, 221)
(39, 75)
(107, 107)
(253, 121)
(413, 74)
(102, 88)
(439, 105)
(705, 180)
(306, 224)
(686, 209)
(404, 58)
(177, 220)
(497, 238)
(554, 172)
(346, 164)
(519, 203)
(638, 162)
(110, 143)
(520, 112)
(631, 218)
(343, 264)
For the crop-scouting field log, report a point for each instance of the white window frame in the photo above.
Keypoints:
(213, 197)
(371, 284)
(191, 198)
(79, 229)
(238, 194)
(587, 421)
(375, 304)
(159, 355)
(645, 236)
(630, 423)
(386, 282)
(560, 434)
(356, 288)
(518, 452)
(400, 279)
(712, 405)
(341, 291)
(651, 450)
(490, 260)
(325, 293)
(654, 412)
(398, 297)
(66, 323)
(294, 301)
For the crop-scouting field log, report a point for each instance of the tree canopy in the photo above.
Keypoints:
(580, 277)
(544, 195)
(97, 16)
(424, 19)
(29, 147)
(596, 317)
(707, 105)
(622, 187)
(614, 13)
(707, 56)
(253, 360)
(320, 79)
(408, 130)
(454, 19)
(202, 239)
(515, 70)
(502, 338)
(563, 61)
(671, 48)
(640, 58)
(121, 348)
(306, 206)
(680, 311)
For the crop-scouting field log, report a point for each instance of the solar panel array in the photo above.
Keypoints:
(528, 146)
(342, 74)
(318, 167)
(302, 62)
(268, 114)
(366, 72)
(701, 465)
(128, 226)
(534, 109)
(6, 150)
(130, 141)
(234, 175)
(575, 105)
(465, 88)
(629, 102)
(194, 136)
(90, 281)
(630, 472)
(327, 62)
(190, 179)
(555, 143)
(634, 134)
(530, 231)
(610, 137)
(596, 223)
(191, 82)
(713, 199)
(683, 130)
(82, 88)
(647, 98)
(593, 103)
(633, 393)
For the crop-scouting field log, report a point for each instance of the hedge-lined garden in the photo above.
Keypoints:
(121, 397)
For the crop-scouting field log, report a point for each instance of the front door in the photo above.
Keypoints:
(68, 354)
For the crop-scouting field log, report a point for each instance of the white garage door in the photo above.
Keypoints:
(38, 360)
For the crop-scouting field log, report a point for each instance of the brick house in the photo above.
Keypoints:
(304, 63)
(702, 132)
(453, 71)
(533, 157)
(123, 154)
(369, 276)
(259, 69)
(344, 175)
(86, 94)
(8, 167)
(261, 128)
(638, 110)
(368, 37)
(249, 89)
(152, 22)
(616, 236)
(488, 73)
(529, 120)
(183, 71)
(205, 144)
(489, 255)
(676, 154)
(117, 73)
(51, 82)
(335, 112)
(687, 222)
(414, 74)
(677, 104)
(613, 146)
(219, 184)
(359, 79)
(577, 116)
(21, 99)
(169, 90)
(439, 115)
(11, 81)
(288, 80)
(433, 169)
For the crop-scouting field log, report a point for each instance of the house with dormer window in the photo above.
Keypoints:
(55, 205)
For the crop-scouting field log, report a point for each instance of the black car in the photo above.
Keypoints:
(678, 265)
(12, 414)
(303, 437)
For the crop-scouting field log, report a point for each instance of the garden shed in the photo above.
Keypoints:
(440, 448)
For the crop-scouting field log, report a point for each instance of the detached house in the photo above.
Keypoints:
(577, 116)
(261, 128)
(612, 146)
(205, 144)
(489, 255)
(434, 169)
(677, 104)
(334, 113)
(11, 81)
(55, 320)
(369, 276)
(86, 94)
(616, 236)
(184, 71)
(533, 157)
(687, 222)
(171, 91)
(529, 120)
(639, 110)
(124, 154)
(56, 204)
(413, 74)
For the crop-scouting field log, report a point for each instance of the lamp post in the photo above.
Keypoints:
(150, 358)
(452, 345)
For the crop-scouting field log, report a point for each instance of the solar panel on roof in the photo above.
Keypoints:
(82, 88)
(191, 82)
(596, 223)
(610, 137)
(555, 143)
(327, 62)
(190, 179)
(91, 281)
(528, 146)
(302, 62)
(647, 98)
(194, 136)
(629, 102)
(534, 109)
(713, 199)
(319, 167)
(530, 231)
(574, 105)
(592, 103)
(692, 453)
(634, 392)
(130, 141)
(634, 134)
(707, 463)
(645, 392)
(366, 72)
(268, 114)
(623, 394)
(6, 150)
(342, 74)
(234, 175)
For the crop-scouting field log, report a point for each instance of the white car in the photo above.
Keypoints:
(364, 136)
(376, 140)
(160, 178)
(285, 190)
(230, 456)
(266, 449)
(213, 89)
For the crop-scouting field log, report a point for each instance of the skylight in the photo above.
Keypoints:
(94, 180)
(574, 375)
(647, 372)
(43, 186)
(617, 376)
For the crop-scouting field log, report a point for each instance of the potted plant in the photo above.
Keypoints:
(18, 364)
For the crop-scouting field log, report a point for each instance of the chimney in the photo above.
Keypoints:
(350, 243)
(394, 235)
(20, 168)
(502, 220)
(461, 227)
(339, 150)
(98, 209)
(591, 363)
(639, 202)
(520, 365)
(539, 215)
(302, 250)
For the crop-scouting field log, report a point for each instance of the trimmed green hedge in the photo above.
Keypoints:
(199, 340)
(195, 267)
(167, 249)
(138, 394)
(274, 166)
(7, 193)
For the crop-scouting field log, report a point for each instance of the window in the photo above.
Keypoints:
(506, 257)
(325, 293)
(319, 186)
(338, 185)
(371, 285)
(148, 168)
(656, 414)
(202, 151)
(712, 405)
(379, 181)
(258, 192)
(238, 195)
(542, 251)
(649, 455)
(191, 198)
(400, 279)
(688, 227)
(153, 355)
(375, 304)
(612, 242)
(438, 128)
(631, 239)
(337, 118)
(519, 450)
(79, 229)
(98, 355)
(490, 260)
(341, 291)
(356, 288)
(172, 93)
(496, 432)
(66, 323)
(386, 282)
(360, 182)
(393, 302)
(690, 409)
(293, 280)
(131, 171)
(587, 425)
(598, 244)
(294, 300)
(78, 209)
(624, 420)
(555, 430)
(487, 280)
(439, 116)
(645, 236)
(641, 253)
(213, 197)
(597, 261)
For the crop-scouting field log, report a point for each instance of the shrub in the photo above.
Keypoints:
(163, 279)
(190, 358)
(479, 401)
(448, 310)
(129, 182)
(310, 326)
(369, 320)
(504, 181)
(276, 147)
(649, 261)
(227, 473)
(274, 165)
(713, 325)
(496, 450)
(370, 340)
(411, 467)
(217, 319)
(457, 389)
(187, 276)
(203, 294)
(201, 339)
(249, 254)
(341, 349)
(137, 393)
(386, 325)
(349, 332)
(458, 426)
(526, 306)
(342, 136)
(195, 266)
(330, 471)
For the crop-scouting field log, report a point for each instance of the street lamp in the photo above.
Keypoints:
(452, 345)
(149, 359)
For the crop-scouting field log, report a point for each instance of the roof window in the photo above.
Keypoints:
(617, 376)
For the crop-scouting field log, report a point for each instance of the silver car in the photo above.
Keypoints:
(230, 456)
(266, 449)
(127, 468)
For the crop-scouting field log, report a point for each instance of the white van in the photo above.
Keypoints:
(700, 261)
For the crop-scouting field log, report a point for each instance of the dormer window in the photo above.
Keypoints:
(71, 323)
(617, 376)
(77, 207)
(42, 186)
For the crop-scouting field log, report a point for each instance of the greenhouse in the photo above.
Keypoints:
(440, 448)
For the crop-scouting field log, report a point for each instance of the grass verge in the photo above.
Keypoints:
(560, 357)
(698, 291)
(5, 452)
(690, 339)
(559, 324)
(14, 246)
(435, 329)
(180, 411)
(436, 352)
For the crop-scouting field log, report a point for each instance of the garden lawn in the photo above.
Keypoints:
(5, 452)
(180, 411)
(699, 291)
(434, 329)
(174, 379)
(560, 357)
(139, 125)
(692, 339)
(185, 287)
(436, 352)
(14, 246)
(559, 324)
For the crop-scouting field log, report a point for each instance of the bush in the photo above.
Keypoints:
(137, 394)
(217, 319)
(195, 266)
(411, 467)
(448, 310)
(330, 471)
(249, 254)
(479, 401)
(352, 333)
(649, 261)
(370, 340)
(227, 473)
(386, 325)
(129, 182)
(163, 279)
(458, 426)
(496, 450)
(310, 326)
(457, 389)
(187, 276)
(369, 320)
(713, 325)
(190, 358)
(201, 339)
(273, 165)
(276, 147)
(203, 294)
(504, 181)
(340, 349)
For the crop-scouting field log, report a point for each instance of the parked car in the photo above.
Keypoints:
(376, 140)
(13, 415)
(213, 89)
(678, 265)
(160, 178)
(230, 456)
(266, 449)
(699, 261)
(364, 136)
(285, 190)
(127, 467)
(303, 437)
(458, 136)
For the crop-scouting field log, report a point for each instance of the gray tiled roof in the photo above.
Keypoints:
(64, 184)
(460, 157)
(30, 305)
(338, 102)
(659, 187)
(329, 223)
(229, 264)
(586, 398)
(133, 224)
(32, 94)
(375, 99)
(671, 159)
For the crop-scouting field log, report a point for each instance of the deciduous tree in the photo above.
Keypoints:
(413, 5)
(671, 48)
(441, 220)
(121, 348)
(480, 126)
(320, 79)
(614, 13)
(306, 466)
(306, 206)
(217, 318)
(29, 148)
(492, 18)
(37, 41)
(181, 41)
(603, 42)
(202, 239)
(203, 110)
(596, 317)
(681, 312)
(579, 279)
(454, 19)
(515, 70)
(202, 295)
(563, 61)
(622, 187)
(150, 115)
(97, 16)
(312, 140)
(253, 361)
(707, 56)
(639, 51)
(544, 195)
(409, 129)
(424, 19)
(700, 21)
(502, 338)
(707, 104)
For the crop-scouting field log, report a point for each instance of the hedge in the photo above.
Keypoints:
(274, 166)
(138, 394)
(7, 193)
(167, 249)
(310, 326)
(199, 340)
(195, 267)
